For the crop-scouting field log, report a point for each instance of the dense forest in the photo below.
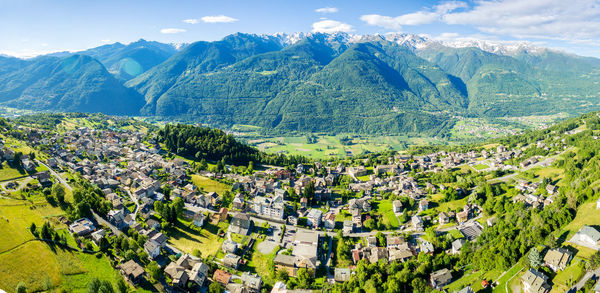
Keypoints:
(196, 142)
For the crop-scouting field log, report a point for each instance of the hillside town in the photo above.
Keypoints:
(310, 221)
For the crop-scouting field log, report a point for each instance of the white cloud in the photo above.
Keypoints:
(572, 20)
(327, 10)
(191, 21)
(331, 26)
(105, 41)
(218, 19)
(424, 16)
(172, 30)
(575, 21)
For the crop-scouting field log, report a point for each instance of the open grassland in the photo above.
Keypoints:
(188, 238)
(209, 185)
(587, 214)
(259, 263)
(40, 266)
(386, 210)
(473, 279)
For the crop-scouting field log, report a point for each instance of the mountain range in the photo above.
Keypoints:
(309, 82)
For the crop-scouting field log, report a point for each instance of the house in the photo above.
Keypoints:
(303, 202)
(96, 236)
(348, 227)
(286, 263)
(82, 227)
(598, 203)
(199, 273)
(199, 219)
(401, 253)
(462, 217)
(314, 218)
(342, 274)
(222, 277)
(252, 282)
(231, 261)
(152, 248)
(268, 207)
(159, 238)
(240, 224)
(457, 245)
(394, 241)
(557, 259)
(132, 271)
(426, 247)
(471, 231)
(116, 217)
(535, 282)
(223, 214)
(417, 223)
(371, 241)
(465, 290)
(229, 246)
(587, 235)
(443, 218)
(423, 205)
(397, 206)
(551, 189)
(440, 278)
(238, 201)
(329, 221)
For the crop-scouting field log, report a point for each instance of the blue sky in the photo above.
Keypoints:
(30, 27)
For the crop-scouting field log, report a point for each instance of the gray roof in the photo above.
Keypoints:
(590, 232)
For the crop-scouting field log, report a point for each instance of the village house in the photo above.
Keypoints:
(231, 261)
(221, 277)
(267, 207)
(313, 219)
(82, 227)
(240, 224)
(132, 271)
(152, 248)
(440, 278)
(252, 282)
(535, 282)
(587, 236)
(557, 259)
(342, 274)
(397, 206)
(329, 221)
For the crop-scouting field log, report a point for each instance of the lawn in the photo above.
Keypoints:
(187, 239)
(480, 167)
(511, 274)
(386, 209)
(7, 172)
(565, 279)
(473, 279)
(456, 234)
(209, 185)
(259, 263)
(37, 264)
(587, 214)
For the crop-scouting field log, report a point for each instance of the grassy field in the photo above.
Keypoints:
(386, 210)
(565, 278)
(7, 172)
(188, 239)
(332, 146)
(587, 214)
(480, 166)
(259, 263)
(41, 267)
(473, 279)
(512, 274)
(209, 185)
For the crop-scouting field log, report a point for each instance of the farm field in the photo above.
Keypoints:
(188, 239)
(40, 266)
(209, 185)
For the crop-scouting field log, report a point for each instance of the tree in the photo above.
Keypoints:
(535, 259)
(122, 286)
(32, 229)
(58, 190)
(154, 271)
(21, 288)
(370, 224)
(305, 278)
(215, 287)
(94, 286)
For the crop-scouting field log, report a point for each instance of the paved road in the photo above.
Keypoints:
(135, 201)
(102, 221)
(55, 174)
(587, 276)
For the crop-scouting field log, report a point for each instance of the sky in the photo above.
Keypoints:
(34, 27)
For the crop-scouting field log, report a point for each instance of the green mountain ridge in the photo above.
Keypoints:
(317, 83)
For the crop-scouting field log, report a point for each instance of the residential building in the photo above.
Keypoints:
(535, 282)
(557, 259)
(314, 218)
(440, 278)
